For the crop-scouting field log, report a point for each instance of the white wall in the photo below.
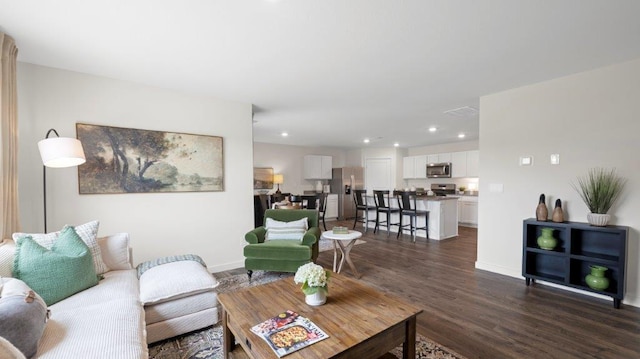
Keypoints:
(210, 224)
(591, 120)
(289, 160)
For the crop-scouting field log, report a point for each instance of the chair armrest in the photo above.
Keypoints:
(311, 236)
(255, 236)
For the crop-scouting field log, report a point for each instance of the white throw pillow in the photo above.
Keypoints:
(88, 232)
(293, 230)
(174, 280)
(115, 251)
(7, 253)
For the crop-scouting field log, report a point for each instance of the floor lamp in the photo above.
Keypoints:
(58, 152)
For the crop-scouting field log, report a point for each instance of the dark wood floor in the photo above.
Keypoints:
(485, 315)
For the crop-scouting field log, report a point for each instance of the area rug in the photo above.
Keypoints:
(207, 343)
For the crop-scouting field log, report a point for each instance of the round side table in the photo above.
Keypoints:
(339, 241)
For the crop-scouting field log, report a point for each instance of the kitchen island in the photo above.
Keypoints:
(443, 216)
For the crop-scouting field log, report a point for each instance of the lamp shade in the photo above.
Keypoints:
(61, 152)
(278, 178)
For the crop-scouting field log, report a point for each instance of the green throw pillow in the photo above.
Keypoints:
(58, 273)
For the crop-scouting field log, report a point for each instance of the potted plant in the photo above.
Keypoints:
(599, 190)
(461, 189)
(314, 280)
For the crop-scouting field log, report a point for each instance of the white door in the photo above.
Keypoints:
(377, 174)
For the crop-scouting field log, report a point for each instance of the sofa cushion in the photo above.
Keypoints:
(87, 232)
(174, 280)
(105, 321)
(57, 273)
(279, 230)
(278, 249)
(7, 251)
(115, 251)
(23, 315)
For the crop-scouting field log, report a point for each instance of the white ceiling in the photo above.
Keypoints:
(331, 72)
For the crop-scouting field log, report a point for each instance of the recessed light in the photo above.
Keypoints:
(461, 135)
(432, 129)
(284, 134)
(366, 140)
(396, 144)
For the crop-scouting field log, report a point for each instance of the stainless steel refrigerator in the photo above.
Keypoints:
(344, 181)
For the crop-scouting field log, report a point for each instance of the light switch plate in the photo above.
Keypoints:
(554, 159)
(526, 160)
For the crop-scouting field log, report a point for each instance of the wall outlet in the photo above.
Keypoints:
(554, 159)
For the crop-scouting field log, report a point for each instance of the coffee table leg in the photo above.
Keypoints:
(228, 339)
(409, 345)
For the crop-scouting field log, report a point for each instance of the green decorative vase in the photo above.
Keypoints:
(596, 280)
(546, 240)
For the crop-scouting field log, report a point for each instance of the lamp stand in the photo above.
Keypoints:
(278, 191)
(44, 181)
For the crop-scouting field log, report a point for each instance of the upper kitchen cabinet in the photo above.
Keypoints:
(414, 167)
(317, 167)
(459, 164)
(464, 164)
(439, 158)
(473, 163)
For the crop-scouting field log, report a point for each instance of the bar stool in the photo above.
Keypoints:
(359, 197)
(407, 203)
(383, 205)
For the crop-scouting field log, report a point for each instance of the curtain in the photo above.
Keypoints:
(9, 214)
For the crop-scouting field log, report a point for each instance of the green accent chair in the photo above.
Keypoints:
(282, 255)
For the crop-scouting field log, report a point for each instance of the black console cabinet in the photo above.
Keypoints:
(579, 246)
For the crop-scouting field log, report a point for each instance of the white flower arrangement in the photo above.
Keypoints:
(312, 277)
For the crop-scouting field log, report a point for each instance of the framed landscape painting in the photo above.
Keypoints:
(262, 178)
(126, 160)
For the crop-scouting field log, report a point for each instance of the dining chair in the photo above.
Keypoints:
(407, 201)
(322, 208)
(383, 205)
(360, 200)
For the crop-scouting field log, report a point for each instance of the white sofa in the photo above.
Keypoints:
(108, 320)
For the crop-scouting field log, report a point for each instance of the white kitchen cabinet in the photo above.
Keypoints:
(420, 167)
(473, 163)
(439, 157)
(317, 167)
(414, 167)
(468, 210)
(444, 157)
(332, 207)
(408, 168)
(459, 164)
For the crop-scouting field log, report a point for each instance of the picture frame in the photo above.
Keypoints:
(127, 160)
(262, 178)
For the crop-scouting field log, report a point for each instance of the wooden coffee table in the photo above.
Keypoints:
(361, 321)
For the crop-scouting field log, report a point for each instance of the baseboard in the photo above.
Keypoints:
(498, 269)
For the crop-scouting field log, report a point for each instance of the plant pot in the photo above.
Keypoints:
(596, 280)
(317, 298)
(546, 240)
(598, 219)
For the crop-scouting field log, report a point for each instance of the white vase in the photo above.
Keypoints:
(319, 187)
(598, 219)
(318, 298)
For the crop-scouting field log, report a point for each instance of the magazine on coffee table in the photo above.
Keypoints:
(287, 332)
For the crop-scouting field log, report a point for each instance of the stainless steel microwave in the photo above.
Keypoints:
(439, 170)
